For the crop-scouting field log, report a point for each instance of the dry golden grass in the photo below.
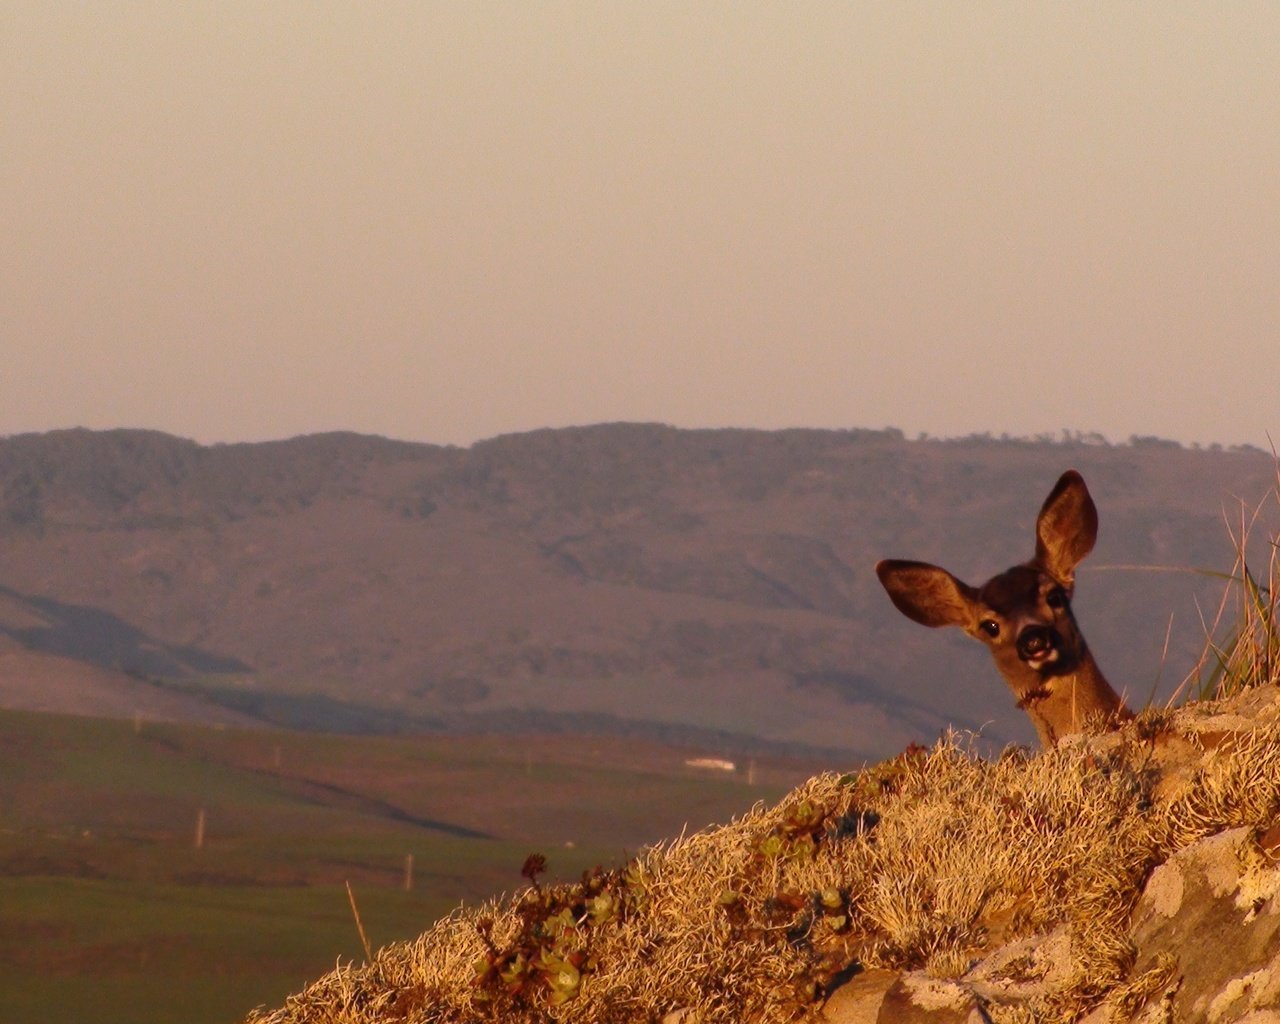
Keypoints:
(923, 862)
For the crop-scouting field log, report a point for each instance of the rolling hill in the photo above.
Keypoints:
(709, 585)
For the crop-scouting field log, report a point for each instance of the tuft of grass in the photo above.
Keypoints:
(1249, 654)
(1242, 637)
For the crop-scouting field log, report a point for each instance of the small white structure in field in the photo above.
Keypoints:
(714, 764)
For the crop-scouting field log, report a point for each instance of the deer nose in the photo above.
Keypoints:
(1035, 642)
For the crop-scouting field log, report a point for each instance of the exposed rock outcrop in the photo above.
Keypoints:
(1204, 933)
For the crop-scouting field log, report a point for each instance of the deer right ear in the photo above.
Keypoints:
(926, 593)
(1067, 527)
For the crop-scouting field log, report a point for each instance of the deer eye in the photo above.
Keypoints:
(1056, 598)
(990, 627)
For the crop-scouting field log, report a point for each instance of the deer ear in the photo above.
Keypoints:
(1067, 527)
(927, 594)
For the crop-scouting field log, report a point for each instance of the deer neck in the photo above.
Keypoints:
(1061, 705)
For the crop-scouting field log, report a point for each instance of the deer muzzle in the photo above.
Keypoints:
(1038, 645)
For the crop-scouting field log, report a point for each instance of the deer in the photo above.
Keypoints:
(1024, 617)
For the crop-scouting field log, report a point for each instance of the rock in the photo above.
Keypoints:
(858, 1000)
(917, 998)
(1018, 972)
(1209, 917)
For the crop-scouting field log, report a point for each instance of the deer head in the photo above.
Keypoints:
(1024, 616)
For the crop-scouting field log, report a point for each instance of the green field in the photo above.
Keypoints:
(110, 911)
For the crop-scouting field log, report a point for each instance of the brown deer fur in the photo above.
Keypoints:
(1024, 617)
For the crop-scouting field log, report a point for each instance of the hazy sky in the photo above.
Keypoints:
(444, 221)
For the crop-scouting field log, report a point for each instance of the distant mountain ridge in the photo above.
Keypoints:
(711, 584)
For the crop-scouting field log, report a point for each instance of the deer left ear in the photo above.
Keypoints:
(1066, 528)
(929, 595)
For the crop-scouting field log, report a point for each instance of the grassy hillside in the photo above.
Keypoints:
(928, 863)
(109, 912)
